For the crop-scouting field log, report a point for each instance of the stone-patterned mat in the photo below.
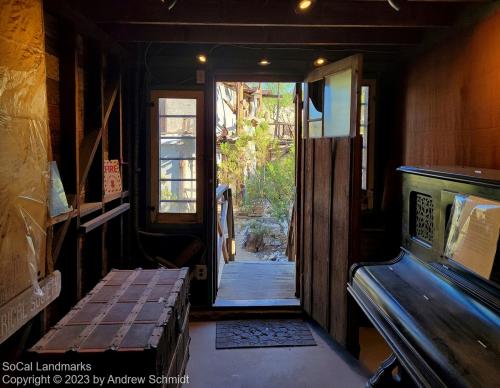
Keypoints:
(259, 333)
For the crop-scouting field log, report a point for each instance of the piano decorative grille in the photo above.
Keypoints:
(424, 218)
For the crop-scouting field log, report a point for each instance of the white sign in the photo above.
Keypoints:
(26, 305)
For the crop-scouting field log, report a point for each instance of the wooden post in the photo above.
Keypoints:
(239, 106)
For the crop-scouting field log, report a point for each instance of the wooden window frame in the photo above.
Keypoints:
(370, 159)
(176, 218)
(352, 63)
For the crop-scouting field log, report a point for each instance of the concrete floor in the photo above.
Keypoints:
(323, 366)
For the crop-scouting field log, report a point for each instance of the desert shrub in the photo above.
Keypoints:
(258, 228)
(279, 186)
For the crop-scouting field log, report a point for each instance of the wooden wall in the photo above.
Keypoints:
(330, 210)
(453, 100)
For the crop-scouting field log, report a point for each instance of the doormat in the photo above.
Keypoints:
(260, 333)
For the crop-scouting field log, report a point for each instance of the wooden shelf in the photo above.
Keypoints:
(113, 197)
(103, 218)
(90, 207)
(61, 217)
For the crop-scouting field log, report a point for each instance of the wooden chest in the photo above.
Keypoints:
(134, 322)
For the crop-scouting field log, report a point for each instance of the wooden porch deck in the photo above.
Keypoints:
(257, 283)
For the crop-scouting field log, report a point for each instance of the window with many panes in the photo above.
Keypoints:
(176, 122)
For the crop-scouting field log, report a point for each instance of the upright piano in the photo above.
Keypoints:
(437, 303)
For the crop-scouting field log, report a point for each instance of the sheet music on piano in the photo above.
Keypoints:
(473, 233)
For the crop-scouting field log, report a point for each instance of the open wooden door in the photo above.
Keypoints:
(330, 177)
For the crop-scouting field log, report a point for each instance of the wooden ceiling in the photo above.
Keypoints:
(273, 22)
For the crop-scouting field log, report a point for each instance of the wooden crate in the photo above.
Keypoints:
(134, 322)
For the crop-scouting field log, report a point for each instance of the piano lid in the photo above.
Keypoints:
(479, 176)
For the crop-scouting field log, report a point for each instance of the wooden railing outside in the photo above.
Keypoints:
(226, 244)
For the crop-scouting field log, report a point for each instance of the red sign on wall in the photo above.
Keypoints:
(112, 177)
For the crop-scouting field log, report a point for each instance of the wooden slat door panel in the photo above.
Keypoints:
(321, 226)
(307, 222)
(331, 179)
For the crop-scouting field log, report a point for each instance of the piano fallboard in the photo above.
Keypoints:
(442, 335)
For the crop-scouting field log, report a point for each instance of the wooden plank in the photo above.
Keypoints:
(18, 311)
(68, 91)
(308, 226)
(269, 35)
(89, 207)
(230, 225)
(299, 187)
(244, 280)
(278, 13)
(340, 238)
(103, 218)
(61, 217)
(321, 227)
(455, 123)
(68, 12)
(352, 325)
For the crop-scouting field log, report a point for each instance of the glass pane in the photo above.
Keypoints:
(365, 93)
(177, 126)
(177, 148)
(364, 157)
(363, 115)
(338, 104)
(315, 102)
(177, 190)
(178, 207)
(315, 129)
(178, 169)
(177, 106)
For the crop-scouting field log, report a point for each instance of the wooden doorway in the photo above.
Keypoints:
(329, 176)
(255, 140)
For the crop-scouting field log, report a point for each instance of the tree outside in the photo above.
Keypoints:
(256, 158)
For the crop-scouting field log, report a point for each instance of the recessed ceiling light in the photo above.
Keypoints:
(202, 58)
(320, 61)
(303, 5)
(264, 62)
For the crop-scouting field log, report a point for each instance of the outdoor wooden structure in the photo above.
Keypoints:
(133, 320)
(226, 244)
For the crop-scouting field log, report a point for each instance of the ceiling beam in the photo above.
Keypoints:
(261, 13)
(267, 36)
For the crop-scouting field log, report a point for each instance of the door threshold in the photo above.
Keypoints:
(256, 303)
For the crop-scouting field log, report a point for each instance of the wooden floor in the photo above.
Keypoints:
(244, 282)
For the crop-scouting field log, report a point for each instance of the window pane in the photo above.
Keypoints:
(178, 169)
(365, 94)
(177, 148)
(177, 126)
(315, 129)
(338, 104)
(178, 207)
(177, 106)
(315, 100)
(363, 116)
(177, 190)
